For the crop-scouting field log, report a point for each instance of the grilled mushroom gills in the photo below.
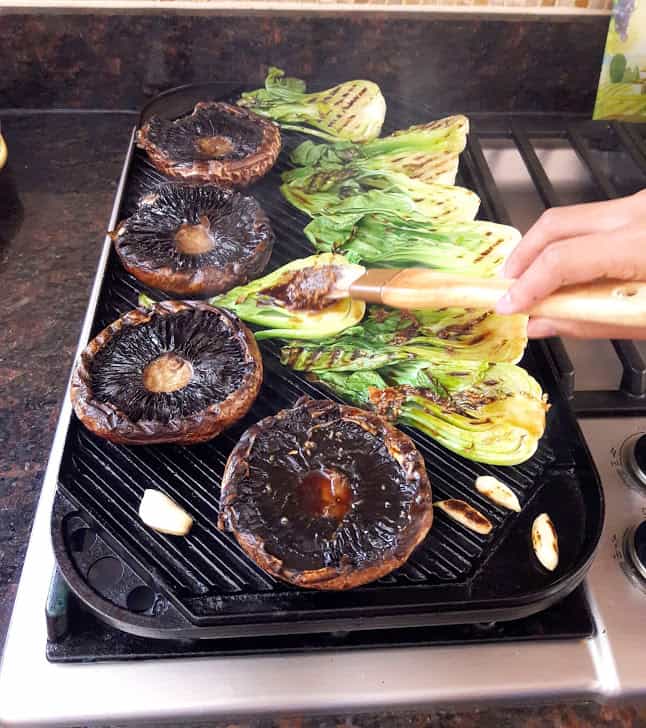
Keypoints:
(326, 496)
(182, 372)
(195, 241)
(217, 143)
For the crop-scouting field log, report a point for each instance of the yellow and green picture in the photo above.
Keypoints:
(622, 85)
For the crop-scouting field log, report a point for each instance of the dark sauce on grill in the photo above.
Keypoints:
(325, 493)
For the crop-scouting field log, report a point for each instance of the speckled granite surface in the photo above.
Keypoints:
(117, 61)
(55, 199)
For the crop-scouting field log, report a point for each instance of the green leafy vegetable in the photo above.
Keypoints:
(145, 302)
(386, 240)
(388, 336)
(332, 190)
(253, 305)
(490, 413)
(353, 110)
(427, 152)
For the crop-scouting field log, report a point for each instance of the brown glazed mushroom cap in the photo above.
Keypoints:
(326, 496)
(218, 143)
(182, 372)
(195, 241)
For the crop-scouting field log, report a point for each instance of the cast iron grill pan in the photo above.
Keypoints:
(204, 586)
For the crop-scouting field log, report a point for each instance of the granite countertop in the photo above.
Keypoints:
(55, 199)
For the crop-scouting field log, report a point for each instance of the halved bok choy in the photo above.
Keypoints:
(490, 413)
(388, 336)
(387, 240)
(427, 152)
(331, 190)
(256, 303)
(353, 110)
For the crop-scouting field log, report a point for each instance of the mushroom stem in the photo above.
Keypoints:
(167, 373)
(195, 239)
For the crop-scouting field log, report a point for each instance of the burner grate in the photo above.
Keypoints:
(585, 138)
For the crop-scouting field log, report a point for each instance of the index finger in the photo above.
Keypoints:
(560, 223)
(577, 260)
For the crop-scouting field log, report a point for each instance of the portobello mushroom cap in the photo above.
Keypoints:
(326, 496)
(181, 372)
(217, 143)
(194, 241)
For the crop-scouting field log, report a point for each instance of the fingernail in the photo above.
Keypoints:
(505, 305)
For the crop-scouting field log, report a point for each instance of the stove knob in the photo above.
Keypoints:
(633, 460)
(636, 548)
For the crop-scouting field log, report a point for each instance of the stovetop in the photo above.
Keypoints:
(75, 635)
(549, 164)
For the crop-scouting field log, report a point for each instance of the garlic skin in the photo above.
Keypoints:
(545, 542)
(497, 492)
(162, 514)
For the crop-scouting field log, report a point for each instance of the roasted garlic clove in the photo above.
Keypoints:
(465, 514)
(162, 514)
(497, 492)
(545, 541)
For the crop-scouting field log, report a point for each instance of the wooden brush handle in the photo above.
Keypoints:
(606, 302)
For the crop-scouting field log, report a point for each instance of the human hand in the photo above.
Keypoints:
(578, 244)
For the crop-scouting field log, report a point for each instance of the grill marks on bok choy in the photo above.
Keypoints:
(491, 413)
(426, 152)
(333, 189)
(354, 110)
(386, 240)
(257, 303)
(390, 202)
(411, 171)
(388, 336)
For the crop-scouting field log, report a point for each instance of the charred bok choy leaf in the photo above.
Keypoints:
(427, 152)
(490, 413)
(386, 240)
(388, 336)
(269, 301)
(353, 110)
(331, 190)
